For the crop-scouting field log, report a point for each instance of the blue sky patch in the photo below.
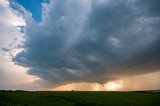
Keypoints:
(34, 6)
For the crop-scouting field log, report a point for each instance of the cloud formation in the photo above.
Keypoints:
(12, 76)
(92, 40)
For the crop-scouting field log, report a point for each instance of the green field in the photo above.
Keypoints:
(49, 98)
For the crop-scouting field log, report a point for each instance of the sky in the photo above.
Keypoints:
(93, 45)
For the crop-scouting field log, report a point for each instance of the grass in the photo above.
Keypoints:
(58, 98)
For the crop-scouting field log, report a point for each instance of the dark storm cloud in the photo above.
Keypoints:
(92, 40)
(144, 61)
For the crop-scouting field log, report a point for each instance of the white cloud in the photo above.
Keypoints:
(9, 16)
(12, 76)
(9, 21)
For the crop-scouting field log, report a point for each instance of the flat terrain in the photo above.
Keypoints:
(49, 98)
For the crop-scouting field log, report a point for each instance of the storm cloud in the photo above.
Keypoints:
(92, 40)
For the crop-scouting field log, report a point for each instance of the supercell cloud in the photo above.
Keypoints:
(92, 40)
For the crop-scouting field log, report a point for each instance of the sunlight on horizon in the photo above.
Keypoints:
(150, 81)
(112, 86)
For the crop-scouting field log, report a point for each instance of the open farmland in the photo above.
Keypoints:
(54, 98)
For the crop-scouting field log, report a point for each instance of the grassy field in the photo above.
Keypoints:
(48, 98)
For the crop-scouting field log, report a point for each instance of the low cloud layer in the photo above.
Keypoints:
(92, 40)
